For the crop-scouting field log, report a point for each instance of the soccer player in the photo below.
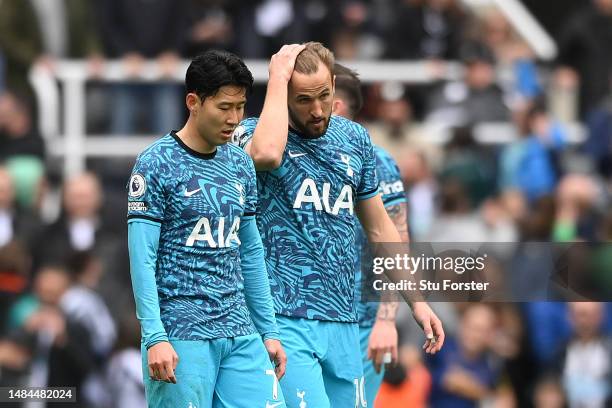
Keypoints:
(315, 172)
(377, 332)
(198, 272)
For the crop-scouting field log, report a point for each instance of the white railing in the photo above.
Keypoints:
(74, 145)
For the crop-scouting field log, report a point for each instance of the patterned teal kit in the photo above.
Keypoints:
(306, 218)
(198, 199)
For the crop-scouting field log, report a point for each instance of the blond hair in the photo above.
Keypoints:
(308, 60)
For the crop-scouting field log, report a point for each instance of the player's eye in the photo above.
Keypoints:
(224, 107)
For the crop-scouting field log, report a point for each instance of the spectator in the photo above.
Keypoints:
(211, 26)
(529, 164)
(599, 143)
(355, 33)
(458, 220)
(548, 393)
(512, 55)
(463, 372)
(18, 135)
(475, 99)
(81, 226)
(62, 355)
(500, 37)
(585, 362)
(16, 224)
(86, 308)
(135, 31)
(584, 54)
(407, 384)
(577, 216)
(14, 279)
(40, 31)
(425, 29)
(472, 165)
(421, 188)
(15, 358)
(124, 371)
(394, 128)
(263, 26)
(22, 150)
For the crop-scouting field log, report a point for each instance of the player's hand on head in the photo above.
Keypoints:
(382, 344)
(277, 356)
(162, 361)
(282, 63)
(431, 325)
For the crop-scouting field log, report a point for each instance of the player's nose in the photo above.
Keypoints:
(316, 110)
(234, 117)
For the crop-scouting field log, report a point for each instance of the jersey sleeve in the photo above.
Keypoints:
(368, 186)
(244, 132)
(146, 195)
(391, 184)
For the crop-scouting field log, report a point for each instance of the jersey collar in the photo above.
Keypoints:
(205, 156)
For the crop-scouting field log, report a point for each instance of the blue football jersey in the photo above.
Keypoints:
(306, 218)
(392, 190)
(198, 199)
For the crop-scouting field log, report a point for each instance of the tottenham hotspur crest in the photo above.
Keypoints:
(346, 159)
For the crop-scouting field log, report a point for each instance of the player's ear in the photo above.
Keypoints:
(192, 101)
(336, 106)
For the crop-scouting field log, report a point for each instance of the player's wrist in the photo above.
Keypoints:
(278, 80)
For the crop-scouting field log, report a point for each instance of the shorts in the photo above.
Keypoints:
(218, 373)
(324, 367)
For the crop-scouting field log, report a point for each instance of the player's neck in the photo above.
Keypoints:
(189, 135)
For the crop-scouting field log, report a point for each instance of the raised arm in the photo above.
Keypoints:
(267, 145)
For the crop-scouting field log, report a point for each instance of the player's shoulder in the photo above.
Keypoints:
(246, 126)
(383, 155)
(157, 150)
(340, 122)
(243, 132)
(354, 131)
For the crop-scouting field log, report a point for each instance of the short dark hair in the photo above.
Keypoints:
(347, 82)
(211, 70)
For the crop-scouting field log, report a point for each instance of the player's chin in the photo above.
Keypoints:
(317, 128)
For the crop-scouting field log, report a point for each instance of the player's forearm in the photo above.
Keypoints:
(270, 136)
(399, 216)
(143, 241)
(398, 213)
(383, 231)
(256, 284)
(387, 311)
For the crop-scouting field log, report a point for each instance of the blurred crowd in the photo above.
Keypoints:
(66, 307)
